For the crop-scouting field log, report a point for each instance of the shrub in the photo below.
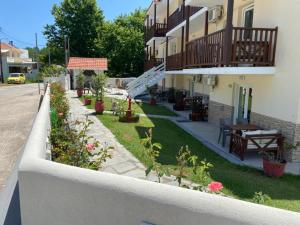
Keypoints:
(80, 81)
(70, 142)
(98, 83)
(260, 198)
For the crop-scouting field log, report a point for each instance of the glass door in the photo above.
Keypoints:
(242, 102)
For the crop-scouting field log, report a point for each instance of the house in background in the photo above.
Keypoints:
(16, 60)
(242, 56)
(87, 66)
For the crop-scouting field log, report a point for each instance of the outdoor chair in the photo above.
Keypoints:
(224, 130)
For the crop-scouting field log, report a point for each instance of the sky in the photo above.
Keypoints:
(21, 19)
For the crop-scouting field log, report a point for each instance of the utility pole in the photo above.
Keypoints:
(1, 67)
(66, 51)
(49, 56)
(36, 51)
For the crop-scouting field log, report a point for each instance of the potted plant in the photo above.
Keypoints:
(87, 100)
(273, 164)
(179, 101)
(98, 86)
(197, 110)
(80, 84)
(171, 95)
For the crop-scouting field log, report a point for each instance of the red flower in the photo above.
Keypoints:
(215, 186)
(90, 147)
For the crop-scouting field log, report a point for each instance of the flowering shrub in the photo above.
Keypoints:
(59, 104)
(70, 142)
(215, 186)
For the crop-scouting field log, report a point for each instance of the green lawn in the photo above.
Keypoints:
(141, 108)
(239, 182)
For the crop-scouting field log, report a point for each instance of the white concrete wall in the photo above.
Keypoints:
(52, 193)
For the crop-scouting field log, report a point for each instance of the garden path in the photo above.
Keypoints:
(122, 161)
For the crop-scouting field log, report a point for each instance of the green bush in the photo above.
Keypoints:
(69, 140)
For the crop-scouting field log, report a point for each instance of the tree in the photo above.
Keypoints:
(82, 22)
(123, 44)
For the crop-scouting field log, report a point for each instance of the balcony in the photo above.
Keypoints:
(156, 30)
(175, 62)
(180, 15)
(250, 47)
(153, 62)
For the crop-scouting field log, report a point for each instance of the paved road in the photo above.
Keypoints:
(18, 107)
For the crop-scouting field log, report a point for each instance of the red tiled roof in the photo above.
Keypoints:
(8, 46)
(87, 63)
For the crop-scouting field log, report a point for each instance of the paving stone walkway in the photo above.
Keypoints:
(122, 162)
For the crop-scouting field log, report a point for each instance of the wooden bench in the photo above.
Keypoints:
(261, 140)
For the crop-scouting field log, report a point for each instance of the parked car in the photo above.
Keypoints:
(16, 78)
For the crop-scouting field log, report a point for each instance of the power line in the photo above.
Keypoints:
(18, 40)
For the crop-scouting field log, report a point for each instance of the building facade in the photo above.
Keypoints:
(241, 55)
(16, 60)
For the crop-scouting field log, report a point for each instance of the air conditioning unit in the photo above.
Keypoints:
(215, 13)
(211, 80)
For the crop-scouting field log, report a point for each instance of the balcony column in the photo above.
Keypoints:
(147, 53)
(187, 35)
(153, 49)
(154, 14)
(183, 8)
(168, 12)
(206, 23)
(228, 32)
(167, 51)
(182, 46)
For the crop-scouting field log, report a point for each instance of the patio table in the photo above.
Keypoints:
(240, 127)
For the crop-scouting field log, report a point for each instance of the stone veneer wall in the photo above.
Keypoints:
(217, 111)
(290, 131)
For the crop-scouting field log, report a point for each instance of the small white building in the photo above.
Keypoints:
(89, 67)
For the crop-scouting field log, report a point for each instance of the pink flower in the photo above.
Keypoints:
(215, 186)
(90, 147)
(60, 114)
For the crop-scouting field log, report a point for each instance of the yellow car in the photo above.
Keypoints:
(16, 78)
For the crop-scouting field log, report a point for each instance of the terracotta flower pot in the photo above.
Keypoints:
(99, 107)
(273, 168)
(87, 101)
(79, 92)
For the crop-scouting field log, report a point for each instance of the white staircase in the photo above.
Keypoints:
(147, 79)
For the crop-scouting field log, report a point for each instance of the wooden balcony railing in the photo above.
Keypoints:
(175, 62)
(206, 51)
(180, 15)
(153, 62)
(156, 30)
(250, 46)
